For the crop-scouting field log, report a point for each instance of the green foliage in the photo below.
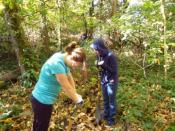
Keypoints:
(141, 28)
(141, 31)
(5, 126)
(148, 125)
(32, 65)
(170, 7)
(7, 117)
(138, 98)
(171, 127)
(28, 79)
(16, 110)
(168, 84)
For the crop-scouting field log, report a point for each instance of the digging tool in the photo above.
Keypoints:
(98, 112)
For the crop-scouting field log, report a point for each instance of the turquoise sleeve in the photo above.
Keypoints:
(58, 69)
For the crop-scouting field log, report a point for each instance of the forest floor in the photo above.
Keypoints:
(143, 104)
(16, 110)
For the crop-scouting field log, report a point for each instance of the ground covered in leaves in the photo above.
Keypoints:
(143, 104)
(15, 113)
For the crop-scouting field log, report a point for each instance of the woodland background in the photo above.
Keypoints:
(140, 32)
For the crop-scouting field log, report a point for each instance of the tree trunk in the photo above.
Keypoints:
(10, 75)
(59, 24)
(44, 33)
(85, 25)
(16, 37)
(114, 6)
(91, 13)
(162, 7)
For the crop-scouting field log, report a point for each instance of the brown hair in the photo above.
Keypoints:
(70, 47)
(73, 47)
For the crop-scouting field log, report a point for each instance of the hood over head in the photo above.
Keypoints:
(99, 45)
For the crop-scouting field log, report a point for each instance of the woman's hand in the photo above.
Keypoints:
(79, 99)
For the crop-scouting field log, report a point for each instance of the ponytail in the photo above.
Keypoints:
(70, 47)
(77, 52)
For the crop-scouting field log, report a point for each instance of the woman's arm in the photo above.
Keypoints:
(71, 80)
(67, 87)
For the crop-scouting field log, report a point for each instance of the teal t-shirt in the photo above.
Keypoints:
(47, 88)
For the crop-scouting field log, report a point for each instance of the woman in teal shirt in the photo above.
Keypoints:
(54, 76)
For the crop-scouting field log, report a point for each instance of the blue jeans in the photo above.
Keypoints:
(109, 96)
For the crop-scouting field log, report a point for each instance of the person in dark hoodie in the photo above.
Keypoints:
(107, 61)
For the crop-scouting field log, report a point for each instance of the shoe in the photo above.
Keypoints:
(111, 122)
(105, 117)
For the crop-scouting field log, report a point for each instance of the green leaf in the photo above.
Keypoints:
(148, 124)
(5, 115)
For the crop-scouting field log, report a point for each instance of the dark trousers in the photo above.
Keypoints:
(42, 115)
(109, 97)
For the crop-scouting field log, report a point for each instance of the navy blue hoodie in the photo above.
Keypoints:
(109, 73)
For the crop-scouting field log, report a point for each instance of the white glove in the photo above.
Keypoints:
(99, 63)
(79, 99)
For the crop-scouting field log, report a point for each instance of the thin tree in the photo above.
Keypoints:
(15, 32)
(44, 33)
(58, 2)
(162, 8)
